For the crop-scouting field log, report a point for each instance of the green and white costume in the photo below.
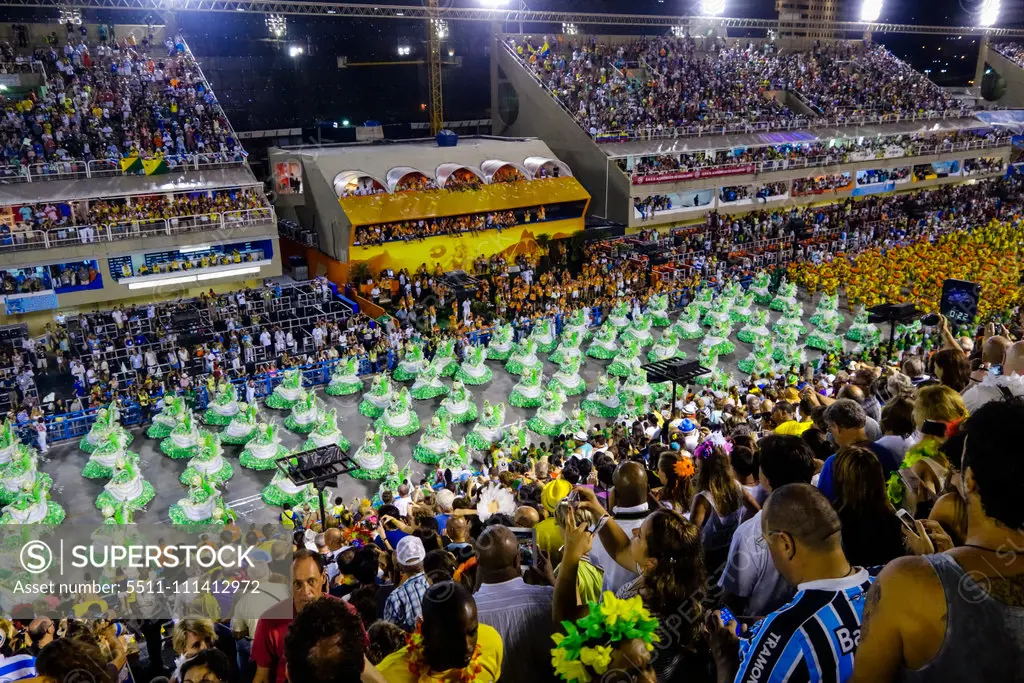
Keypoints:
(224, 406)
(378, 397)
(345, 378)
(262, 452)
(458, 406)
(398, 418)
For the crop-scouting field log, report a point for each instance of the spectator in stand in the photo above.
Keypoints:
(815, 635)
(751, 582)
(519, 612)
(919, 603)
(450, 643)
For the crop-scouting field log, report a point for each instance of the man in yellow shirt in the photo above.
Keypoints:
(452, 641)
(784, 419)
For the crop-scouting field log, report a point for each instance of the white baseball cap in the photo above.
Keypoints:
(410, 551)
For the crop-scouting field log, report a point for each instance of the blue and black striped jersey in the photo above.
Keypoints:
(812, 638)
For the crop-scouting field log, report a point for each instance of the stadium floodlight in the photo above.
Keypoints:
(277, 25)
(678, 31)
(71, 16)
(870, 10)
(404, 50)
(988, 13)
(712, 8)
(344, 122)
(569, 29)
(440, 28)
(295, 51)
(494, 3)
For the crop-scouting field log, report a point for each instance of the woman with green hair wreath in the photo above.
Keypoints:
(666, 550)
(615, 636)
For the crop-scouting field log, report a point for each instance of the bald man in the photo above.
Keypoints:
(521, 613)
(998, 386)
(814, 637)
(334, 539)
(527, 517)
(628, 499)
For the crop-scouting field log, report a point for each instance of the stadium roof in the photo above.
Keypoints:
(780, 137)
(377, 159)
(16, 194)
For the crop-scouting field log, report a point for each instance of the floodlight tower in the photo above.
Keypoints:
(987, 16)
(435, 28)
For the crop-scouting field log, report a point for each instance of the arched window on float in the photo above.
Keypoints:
(409, 179)
(358, 184)
(499, 171)
(459, 177)
(542, 167)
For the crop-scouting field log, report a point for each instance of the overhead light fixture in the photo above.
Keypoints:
(569, 29)
(277, 25)
(988, 13)
(251, 270)
(870, 11)
(440, 28)
(679, 31)
(493, 3)
(295, 50)
(712, 8)
(344, 122)
(404, 50)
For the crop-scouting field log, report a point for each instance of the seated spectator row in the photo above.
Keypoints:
(1012, 51)
(35, 226)
(654, 86)
(418, 229)
(114, 100)
(818, 153)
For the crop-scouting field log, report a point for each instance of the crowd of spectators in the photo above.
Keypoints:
(758, 513)
(1012, 51)
(822, 183)
(884, 175)
(648, 206)
(111, 98)
(423, 228)
(652, 85)
(983, 165)
(96, 212)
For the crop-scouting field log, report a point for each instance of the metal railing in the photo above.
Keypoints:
(105, 168)
(20, 66)
(26, 240)
(772, 165)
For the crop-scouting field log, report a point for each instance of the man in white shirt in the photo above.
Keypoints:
(1009, 382)
(752, 585)
(520, 612)
(629, 510)
(404, 500)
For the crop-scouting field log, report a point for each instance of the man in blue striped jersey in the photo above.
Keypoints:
(815, 635)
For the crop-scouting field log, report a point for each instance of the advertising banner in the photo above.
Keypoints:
(693, 175)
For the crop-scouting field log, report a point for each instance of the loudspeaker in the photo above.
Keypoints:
(913, 208)
(959, 301)
(798, 227)
(892, 312)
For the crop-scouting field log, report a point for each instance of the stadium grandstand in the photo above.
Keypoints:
(689, 371)
(121, 175)
(679, 126)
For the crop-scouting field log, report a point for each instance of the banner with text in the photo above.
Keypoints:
(693, 175)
